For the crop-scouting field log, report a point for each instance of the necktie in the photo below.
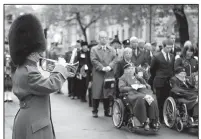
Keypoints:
(116, 52)
(103, 47)
(167, 58)
(136, 52)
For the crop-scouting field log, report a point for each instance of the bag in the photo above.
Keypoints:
(109, 83)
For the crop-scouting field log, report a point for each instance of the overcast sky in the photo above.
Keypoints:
(35, 7)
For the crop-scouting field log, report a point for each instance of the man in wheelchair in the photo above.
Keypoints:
(141, 98)
(185, 92)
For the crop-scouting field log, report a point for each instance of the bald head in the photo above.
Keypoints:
(103, 37)
(148, 46)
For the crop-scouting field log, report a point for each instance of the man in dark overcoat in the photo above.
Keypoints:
(103, 61)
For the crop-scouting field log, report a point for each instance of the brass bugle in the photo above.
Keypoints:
(54, 61)
(50, 64)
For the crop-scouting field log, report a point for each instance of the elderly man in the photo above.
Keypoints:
(138, 57)
(103, 61)
(148, 53)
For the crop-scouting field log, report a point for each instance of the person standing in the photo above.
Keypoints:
(93, 43)
(83, 70)
(27, 43)
(138, 57)
(103, 61)
(7, 78)
(68, 55)
(173, 38)
(161, 69)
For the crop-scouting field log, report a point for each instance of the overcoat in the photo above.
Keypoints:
(136, 97)
(185, 92)
(33, 119)
(101, 58)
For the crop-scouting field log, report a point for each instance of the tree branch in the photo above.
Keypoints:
(93, 21)
(79, 21)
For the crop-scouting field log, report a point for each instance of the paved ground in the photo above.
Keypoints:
(72, 119)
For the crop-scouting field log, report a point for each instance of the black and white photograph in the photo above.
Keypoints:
(100, 71)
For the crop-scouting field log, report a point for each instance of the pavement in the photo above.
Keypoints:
(73, 119)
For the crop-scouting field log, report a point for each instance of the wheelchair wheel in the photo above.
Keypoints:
(118, 113)
(169, 112)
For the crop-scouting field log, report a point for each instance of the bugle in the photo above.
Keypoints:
(49, 65)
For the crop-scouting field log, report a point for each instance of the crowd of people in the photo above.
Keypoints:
(103, 71)
(148, 72)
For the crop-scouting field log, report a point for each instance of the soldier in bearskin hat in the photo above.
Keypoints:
(27, 42)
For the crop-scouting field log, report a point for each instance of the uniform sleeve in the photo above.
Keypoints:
(44, 86)
(94, 60)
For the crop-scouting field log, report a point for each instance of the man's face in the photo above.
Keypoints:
(172, 37)
(115, 45)
(182, 76)
(85, 48)
(141, 46)
(130, 70)
(134, 43)
(103, 38)
(168, 48)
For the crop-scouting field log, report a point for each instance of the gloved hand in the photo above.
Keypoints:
(62, 62)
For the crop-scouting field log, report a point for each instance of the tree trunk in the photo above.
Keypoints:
(182, 23)
(85, 34)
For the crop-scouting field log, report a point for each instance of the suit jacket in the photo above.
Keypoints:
(148, 57)
(99, 59)
(140, 59)
(33, 120)
(161, 70)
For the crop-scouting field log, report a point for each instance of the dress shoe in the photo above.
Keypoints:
(107, 114)
(95, 115)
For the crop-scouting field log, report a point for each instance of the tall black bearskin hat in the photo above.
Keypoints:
(25, 36)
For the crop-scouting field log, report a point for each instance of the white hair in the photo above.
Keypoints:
(141, 41)
(147, 45)
(133, 38)
(127, 49)
(187, 43)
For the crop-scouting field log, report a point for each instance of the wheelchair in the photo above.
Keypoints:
(175, 113)
(122, 114)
